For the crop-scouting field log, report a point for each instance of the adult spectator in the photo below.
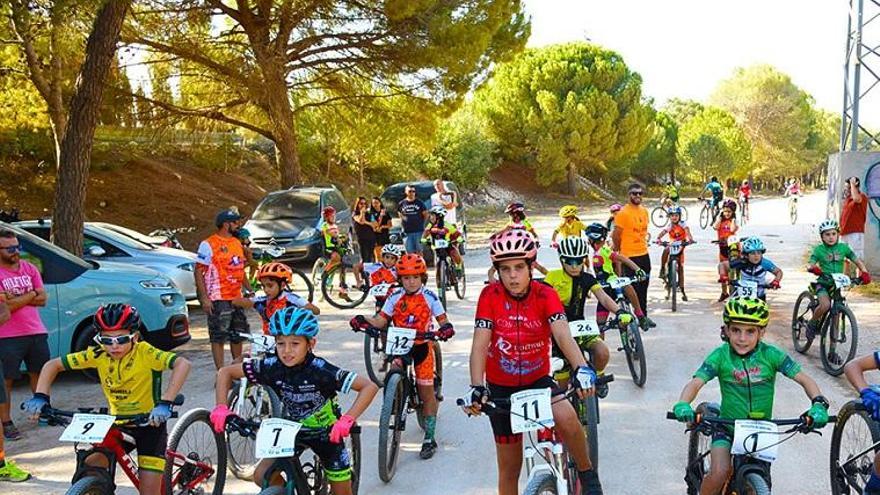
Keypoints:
(445, 198)
(630, 238)
(853, 215)
(364, 228)
(9, 471)
(382, 227)
(23, 338)
(220, 279)
(412, 214)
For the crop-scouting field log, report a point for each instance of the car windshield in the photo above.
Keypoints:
(134, 234)
(33, 239)
(121, 240)
(288, 205)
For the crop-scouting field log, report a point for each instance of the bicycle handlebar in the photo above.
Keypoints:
(249, 428)
(493, 405)
(58, 417)
(804, 421)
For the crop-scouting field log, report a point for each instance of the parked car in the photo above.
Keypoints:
(77, 287)
(291, 219)
(104, 241)
(424, 189)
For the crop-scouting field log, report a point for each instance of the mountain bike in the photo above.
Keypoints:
(301, 284)
(374, 345)
(400, 395)
(630, 337)
(170, 235)
(447, 275)
(793, 207)
(289, 442)
(753, 449)
(748, 289)
(854, 443)
(743, 204)
(352, 287)
(672, 282)
(708, 213)
(660, 218)
(837, 329)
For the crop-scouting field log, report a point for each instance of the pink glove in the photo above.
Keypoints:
(219, 416)
(341, 428)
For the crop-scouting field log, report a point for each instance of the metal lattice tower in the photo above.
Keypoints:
(861, 73)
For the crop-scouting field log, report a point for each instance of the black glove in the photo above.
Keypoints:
(359, 323)
(479, 395)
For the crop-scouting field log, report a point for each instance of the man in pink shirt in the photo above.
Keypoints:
(23, 338)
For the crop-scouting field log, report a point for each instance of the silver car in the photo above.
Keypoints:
(108, 242)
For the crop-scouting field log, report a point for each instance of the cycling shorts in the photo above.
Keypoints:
(501, 420)
(723, 251)
(722, 438)
(334, 458)
(423, 360)
(149, 441)
(585, 344)
(819, 288)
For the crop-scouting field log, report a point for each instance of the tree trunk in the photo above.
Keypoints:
(280, 113)
(76, 147)
(572, 179)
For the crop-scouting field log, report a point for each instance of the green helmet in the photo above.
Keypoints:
(748, 311)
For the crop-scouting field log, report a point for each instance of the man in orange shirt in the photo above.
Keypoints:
(630, 238)
(220, 278)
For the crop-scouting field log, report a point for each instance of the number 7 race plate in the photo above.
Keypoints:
(276, 438)
(87, 428)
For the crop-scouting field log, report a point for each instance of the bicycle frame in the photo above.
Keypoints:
(112, 450)
(551, 450)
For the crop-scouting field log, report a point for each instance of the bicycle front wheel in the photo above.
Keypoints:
(353, 443)
(543, 483)
(341, 288)
(635, 354)
(302, 286)
(672, 276)
(591, 415)
(803, 310)
(792, 212)
(90, 485)
(854, 433)
(705, 214)
(699, 446)
(441, 281)
(754, 484)
(195, 461)
(374, 359)
(659, 217)
(257, 403)
(391, 426)
(840, 340)
(461, 283)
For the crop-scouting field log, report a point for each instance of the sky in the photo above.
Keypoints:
(683, 48)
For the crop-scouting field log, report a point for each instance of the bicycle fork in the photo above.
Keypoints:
(549, 451)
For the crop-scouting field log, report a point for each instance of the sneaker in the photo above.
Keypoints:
(812, 327)
(10, 432)
(646, 323)
(663, 275)
(684, 297)
(723, 297)
(12, 473)
(602, 390)
(590, 483)
(429, 448)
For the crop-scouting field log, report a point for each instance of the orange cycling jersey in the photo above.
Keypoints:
(725, 229)
(676, 231)
(383, 276)
(416, 310)
(221, 260)
(267, 307)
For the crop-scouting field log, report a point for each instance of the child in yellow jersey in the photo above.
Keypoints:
(604, 260)
(571, 225)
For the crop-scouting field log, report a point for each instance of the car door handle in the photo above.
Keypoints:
(69, 313)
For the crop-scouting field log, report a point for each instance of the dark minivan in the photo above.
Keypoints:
(424, 189)
(291, 219)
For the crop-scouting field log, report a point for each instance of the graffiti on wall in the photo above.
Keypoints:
(872, 189)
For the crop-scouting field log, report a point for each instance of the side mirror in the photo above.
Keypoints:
(95, 251)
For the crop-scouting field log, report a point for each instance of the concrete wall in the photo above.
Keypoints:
(865, 165)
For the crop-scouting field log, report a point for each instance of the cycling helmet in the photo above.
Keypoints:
(276, 270)
(729, 203)
(751, 245)
(745, 182)
(573, 247)
(616, 207)
(828, 225)
(117, 316)
(243, 234)
(395, 250)
(515, 207)
(438, 210)
(748, 311)
(294, 321)
(568, 211)
(512, 244)
(674, 210)
(411, 264)
(713, 179)
(596, 231)
(327, 211)
(669, 182)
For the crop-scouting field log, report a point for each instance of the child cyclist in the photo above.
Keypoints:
(437, 228)
(571, 225)
(828, 258)
(385, 271)
(745, 395)
(870, 395)
(275, 278)
(414, 306)
(604, 260)
(573, 283)
(335, 246)
(752, 266)
(612, 211)
(307, 386)
(518, 220)
(678, 231)
(130, 376)
(725, 226)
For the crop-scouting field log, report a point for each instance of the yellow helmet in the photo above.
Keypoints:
(568, 211)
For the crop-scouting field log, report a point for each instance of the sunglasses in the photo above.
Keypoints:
(572, 261)
(636, 193)
(13, 249)
(118, 340)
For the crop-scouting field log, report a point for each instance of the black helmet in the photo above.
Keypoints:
(596, 231)
(117, 316)
(713, 179)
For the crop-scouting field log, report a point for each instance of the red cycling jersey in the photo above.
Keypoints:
(519, 352)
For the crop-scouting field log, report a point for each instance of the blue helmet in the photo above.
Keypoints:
(751, 245)
(674, 210)
(294, 321)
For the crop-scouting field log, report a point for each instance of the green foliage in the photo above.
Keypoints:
(681, 111)
(659, 159)
(566, 108)
(711, 143)
(464, 154)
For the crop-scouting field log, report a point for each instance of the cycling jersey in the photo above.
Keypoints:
(416, 310)
(330, 232)
(524, 225)
(793, 190)
(571, 229)
(747, 382)
(676, 231)
(725, 228)
(749, 272)
(447, 231)
(519, 353)
(132, 384)
(832, 259)
(745, 191)
(381, 274)
(573, 292)
(267, 307)
(222, 261)
(716, 190)
(603, 263)
(672, 192)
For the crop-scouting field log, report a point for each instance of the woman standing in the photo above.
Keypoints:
(363, 229)
(382, 225)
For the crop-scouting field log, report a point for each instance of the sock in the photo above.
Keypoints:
(587, 476)
(640, 314)
(430, 426)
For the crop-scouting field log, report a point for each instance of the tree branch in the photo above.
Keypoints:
(212, 113)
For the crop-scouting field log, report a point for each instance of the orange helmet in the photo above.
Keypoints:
(276, 270)
(411, 264)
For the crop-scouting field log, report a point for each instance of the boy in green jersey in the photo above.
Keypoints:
(746, 368)
(829, 258)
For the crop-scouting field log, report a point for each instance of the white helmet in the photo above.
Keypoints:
(573, 247)
(828, 225)
(392, 249)
(438, 210)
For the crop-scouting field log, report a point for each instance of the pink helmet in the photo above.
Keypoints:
(616, 207)
(512, 244)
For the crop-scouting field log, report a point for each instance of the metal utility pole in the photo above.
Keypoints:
(862, 66)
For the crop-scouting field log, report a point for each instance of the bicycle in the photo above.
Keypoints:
(854, 442)
(793, 207)
(447, 275)
(630, 337)
(300, 284)
(671, 282)
(400, 395)
(837, 328)
(170, 235)
(709, 213)
(349, 295)
(752, 451)
(300, 477)
(743, 204)
(660, 218)
(374, 346)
